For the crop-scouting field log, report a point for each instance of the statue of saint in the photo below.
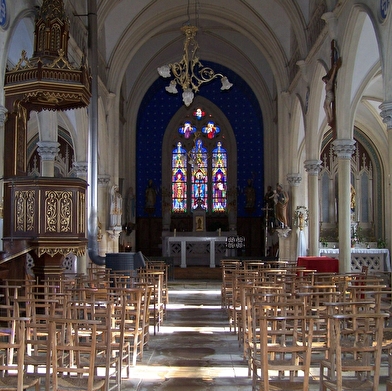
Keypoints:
(352, 198)
(250, 194)
(281, 205)
(115, 207)
(130, 206)
(151, 195)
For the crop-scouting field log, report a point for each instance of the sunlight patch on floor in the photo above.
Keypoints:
(162, 372)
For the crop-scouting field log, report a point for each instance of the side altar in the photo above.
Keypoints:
(376, 259)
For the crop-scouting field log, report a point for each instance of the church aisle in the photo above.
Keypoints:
(194, 349)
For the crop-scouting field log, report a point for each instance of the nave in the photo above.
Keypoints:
(195, 349)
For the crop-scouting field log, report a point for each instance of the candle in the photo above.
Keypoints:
(219, 231)
(175, 232)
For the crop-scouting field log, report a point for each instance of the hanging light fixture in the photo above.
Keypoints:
(189, 73)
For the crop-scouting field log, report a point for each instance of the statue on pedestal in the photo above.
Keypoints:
(115, 207)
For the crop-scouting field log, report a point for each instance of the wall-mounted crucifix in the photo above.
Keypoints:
(330, 88)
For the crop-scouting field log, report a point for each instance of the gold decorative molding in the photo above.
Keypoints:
(58, 211)
(52, 251)
(24, 202)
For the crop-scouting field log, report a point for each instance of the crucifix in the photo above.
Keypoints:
(330, 86)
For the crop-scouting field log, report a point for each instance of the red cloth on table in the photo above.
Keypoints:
(321, 264)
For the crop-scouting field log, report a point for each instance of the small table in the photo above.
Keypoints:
(321, 264)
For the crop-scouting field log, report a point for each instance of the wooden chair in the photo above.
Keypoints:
(355, 349)
(134, 321)
(285, 339)
(253, 298)
(163, 267)
(229, 266)
(14, 376)
(145, 316)
(316, 299)
(157, 308)
(9, 310)
(111, 352)
(69, 371)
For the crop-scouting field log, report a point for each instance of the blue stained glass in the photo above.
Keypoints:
(179, 179)
(199, 176)
(219, 175)
(187, 129)
(199, 114)
(211, 130)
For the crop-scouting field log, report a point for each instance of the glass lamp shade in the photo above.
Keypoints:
(187, 96)
(164, 71)
(226, 85)
(172, 87)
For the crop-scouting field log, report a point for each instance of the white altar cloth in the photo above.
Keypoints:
(365, 251)
(183, 240)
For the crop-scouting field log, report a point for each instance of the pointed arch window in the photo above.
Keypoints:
(199, 173)
(179, 179)
(219, 175)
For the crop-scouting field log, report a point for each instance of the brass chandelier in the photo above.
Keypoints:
(189, 72)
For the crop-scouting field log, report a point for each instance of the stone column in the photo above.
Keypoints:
(3, 117)
(103, 212)
(48, 150)
(386, 114)
(344, 150)
(48, 146)
(294, 181)
(81, 169)
(313, 168)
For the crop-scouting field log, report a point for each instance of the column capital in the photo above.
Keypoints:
(48, 150)
(294, 179)
(312, 167)
(304, 68)
(81, 168)
(103, 180)
(332, 23)
(344, 148)
(3, 115)
(386, 113)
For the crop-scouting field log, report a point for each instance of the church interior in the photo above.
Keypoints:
(191, 134)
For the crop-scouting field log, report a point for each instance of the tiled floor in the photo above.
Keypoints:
(194, 349)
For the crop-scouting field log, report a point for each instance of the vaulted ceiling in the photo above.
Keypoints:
(260, 40)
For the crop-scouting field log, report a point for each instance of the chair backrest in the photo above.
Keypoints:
(14, 377)
(355, 346)
(285, 337)
(67, 367)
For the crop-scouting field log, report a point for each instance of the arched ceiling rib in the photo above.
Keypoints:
(161, 41)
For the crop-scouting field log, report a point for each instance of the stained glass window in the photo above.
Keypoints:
(199, 113)
(179, 179)
(187, 129)
(211, 130)
(199, 175)
(219, 178)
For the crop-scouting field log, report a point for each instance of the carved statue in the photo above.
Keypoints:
(115, 207)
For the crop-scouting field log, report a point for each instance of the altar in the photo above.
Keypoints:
(376, 259)
(195, 248)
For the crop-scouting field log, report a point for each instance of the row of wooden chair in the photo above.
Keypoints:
(291, 320)
(99, 321)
